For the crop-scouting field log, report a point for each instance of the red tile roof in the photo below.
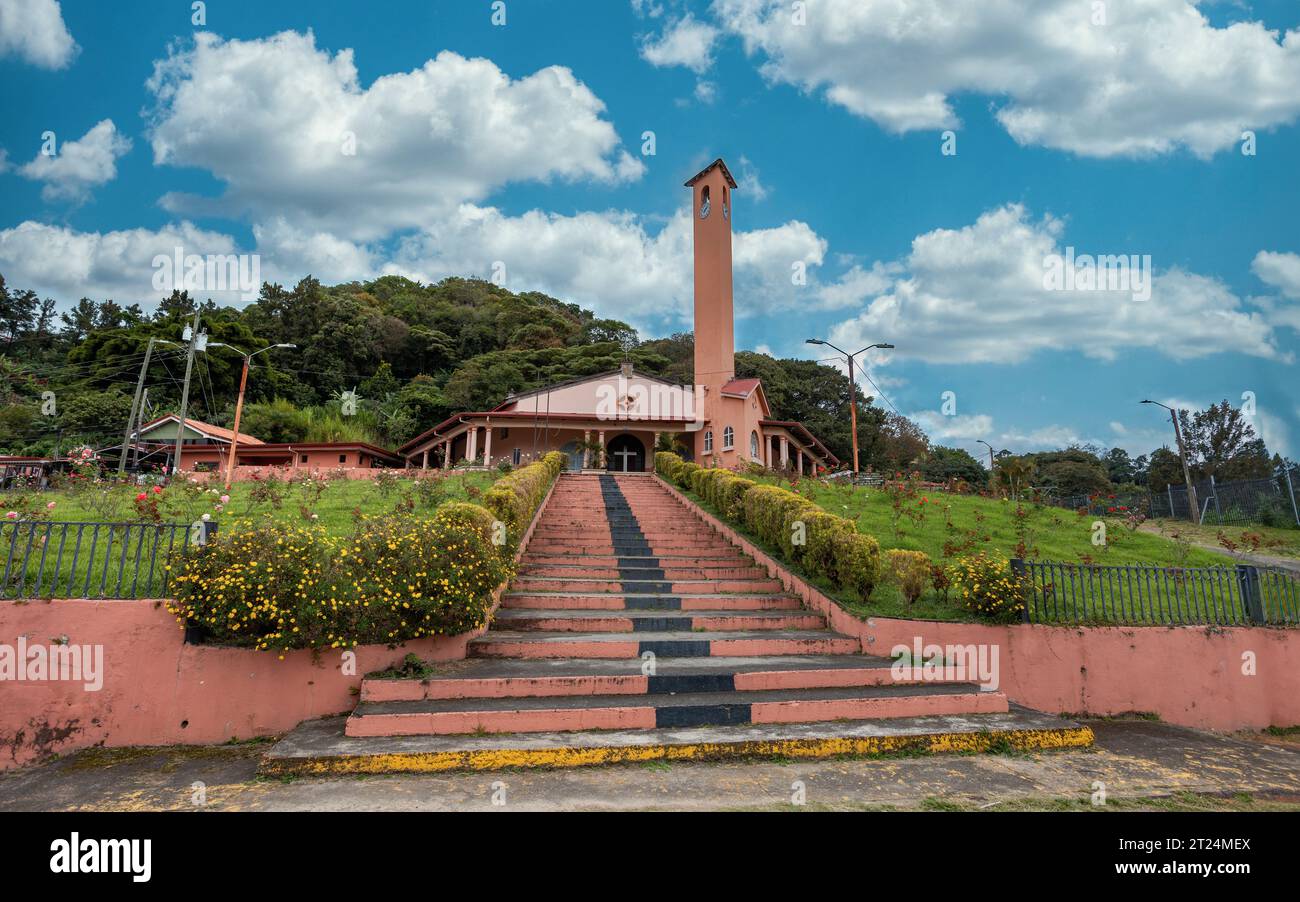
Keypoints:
(206, 429)
(741, 387)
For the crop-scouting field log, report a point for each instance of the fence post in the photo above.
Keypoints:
(1291, 491)
(1251, 596)
(1170, 489)
(1018, 570)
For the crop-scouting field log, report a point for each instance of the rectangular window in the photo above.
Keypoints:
(302, 458)
(343, 458)
(514, 457)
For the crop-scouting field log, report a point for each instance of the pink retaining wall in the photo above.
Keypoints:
(159, 691)
(1187, 675)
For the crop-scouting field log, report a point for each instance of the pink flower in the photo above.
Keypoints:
(225, 499)
(12, 515)
(50, 506)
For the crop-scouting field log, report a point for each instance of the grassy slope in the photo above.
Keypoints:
(333, 508)
(1053, 534)
(101, 558)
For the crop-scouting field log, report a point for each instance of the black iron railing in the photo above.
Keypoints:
(42, 559)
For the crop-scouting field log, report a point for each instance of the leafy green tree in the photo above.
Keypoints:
(942, 464)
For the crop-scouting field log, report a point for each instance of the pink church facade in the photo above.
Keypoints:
(613, 421)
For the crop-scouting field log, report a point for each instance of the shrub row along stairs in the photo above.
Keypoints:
(632, 619)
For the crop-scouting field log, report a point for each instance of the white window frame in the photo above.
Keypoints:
(708, 440)
(728, 439)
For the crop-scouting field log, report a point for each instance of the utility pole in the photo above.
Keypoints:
(1194, 511)
(239, 405)
(853, 389)
(992, 464)
(135, 403)
(185, 393)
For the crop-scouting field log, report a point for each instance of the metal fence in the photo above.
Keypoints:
(92, 560)
(1147, 594)
(1270, 501)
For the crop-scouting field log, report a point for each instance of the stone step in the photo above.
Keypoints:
(663, 710)
(670, 587)
(557, 571)
(320, 747)
(668, 644)
(627, 601)
(520, 678)
(735, 559)
(643, 621)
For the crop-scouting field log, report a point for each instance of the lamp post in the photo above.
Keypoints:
(1194, 510)
(239, 404)
(992, 465)
(853, 394)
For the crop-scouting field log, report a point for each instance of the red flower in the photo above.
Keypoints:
(141, 496)
(157, 490)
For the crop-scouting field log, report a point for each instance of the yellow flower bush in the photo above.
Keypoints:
(985, 585)
(280, 587)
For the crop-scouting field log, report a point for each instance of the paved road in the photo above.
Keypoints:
(1134, 759)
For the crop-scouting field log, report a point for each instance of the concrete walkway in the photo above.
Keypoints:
(1135, 759)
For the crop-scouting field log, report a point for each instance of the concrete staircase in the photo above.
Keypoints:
(630, 614)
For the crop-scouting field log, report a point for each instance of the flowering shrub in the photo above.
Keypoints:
(910, 570)
(985, 585)
(282, 586)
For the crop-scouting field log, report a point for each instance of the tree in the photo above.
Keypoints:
(1164, 469)
(942, 464)
(1120, 467)
(1222, 443)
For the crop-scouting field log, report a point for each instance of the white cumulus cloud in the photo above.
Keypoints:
(294, 134)
(1153, 77)
(685, 42)
(78, 166)
(33, 30)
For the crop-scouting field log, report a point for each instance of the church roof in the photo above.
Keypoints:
(716, 164)
(578, 380)
(742, 387)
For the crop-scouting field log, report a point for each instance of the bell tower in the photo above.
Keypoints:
(715, 351)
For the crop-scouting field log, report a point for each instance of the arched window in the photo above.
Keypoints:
(708, 441)
(726, 203)
(704, 203)
(753, 446)
(728, 438)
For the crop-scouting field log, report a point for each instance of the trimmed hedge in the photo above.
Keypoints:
(826, 546)
(514, 497)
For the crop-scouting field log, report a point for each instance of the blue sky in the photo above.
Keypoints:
(1112, 129)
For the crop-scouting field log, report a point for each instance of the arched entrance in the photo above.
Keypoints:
(625, 454)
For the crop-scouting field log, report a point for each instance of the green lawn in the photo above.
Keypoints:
(946, 526)
(126, 559)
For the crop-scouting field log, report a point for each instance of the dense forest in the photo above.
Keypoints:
(414, 354)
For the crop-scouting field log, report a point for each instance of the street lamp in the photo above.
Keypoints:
(1194, 508)
(990, 447)
(239, 405)
(853, 395)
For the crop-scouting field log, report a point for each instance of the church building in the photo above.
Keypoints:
(613, 421)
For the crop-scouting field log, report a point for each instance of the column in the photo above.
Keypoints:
(446, 458)
(799, 456)
(425, 464)
(472, 447)
(785, 452)
(586, 452)
(487, 446)
(600, 437)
